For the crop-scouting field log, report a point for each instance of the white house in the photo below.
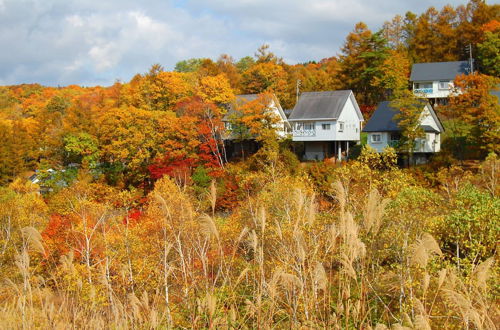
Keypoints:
(327, 123)
(383, 130)
(434, 81)
(238, 140)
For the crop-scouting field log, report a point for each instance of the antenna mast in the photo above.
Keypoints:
(471, 61)
(298, 86)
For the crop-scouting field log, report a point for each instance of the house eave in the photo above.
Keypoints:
(314, 119)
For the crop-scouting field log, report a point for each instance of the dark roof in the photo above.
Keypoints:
(429, 129)
(321, 105)
(382, 119)
(438, 70)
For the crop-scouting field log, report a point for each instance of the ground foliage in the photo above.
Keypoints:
(365, 244)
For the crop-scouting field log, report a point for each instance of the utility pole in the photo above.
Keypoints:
(471, 61)
(298, 87)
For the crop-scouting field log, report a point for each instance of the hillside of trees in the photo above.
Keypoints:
(137, 219)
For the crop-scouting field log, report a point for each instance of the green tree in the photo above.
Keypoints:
(362, 56)
(245, 63)
(489, 54)
(81, 148)
(191, 65)
(408, 118)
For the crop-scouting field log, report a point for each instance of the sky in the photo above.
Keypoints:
(97, 42)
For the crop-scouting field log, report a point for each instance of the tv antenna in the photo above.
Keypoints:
(298, 90)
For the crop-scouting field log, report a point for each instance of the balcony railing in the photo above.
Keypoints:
(304, 132)
(423, 91)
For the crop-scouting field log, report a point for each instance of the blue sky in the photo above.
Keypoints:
(91, 42)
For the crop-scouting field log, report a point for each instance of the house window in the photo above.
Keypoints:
(395, 136)
(444, 85)
(423, 85)
(341, 126)
(325, 127)
(308, 126)
(228, 126)
(376, 138)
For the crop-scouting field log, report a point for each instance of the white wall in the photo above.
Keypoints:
(280, 126)
(352, 126)
(431, 143)
(379, 146)
(427, 119)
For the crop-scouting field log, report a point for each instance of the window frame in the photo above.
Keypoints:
(326, 126)
(444, 88)
(341, 126)
(309, 126)
(373, 140)
(398, 135)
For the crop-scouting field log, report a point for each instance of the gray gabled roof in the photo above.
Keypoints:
(438, 70)
(322, 105)
(383, 120)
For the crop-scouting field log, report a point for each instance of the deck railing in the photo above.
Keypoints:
(304, 132)
(423, 91)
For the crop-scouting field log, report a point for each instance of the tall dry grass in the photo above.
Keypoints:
(281, 264)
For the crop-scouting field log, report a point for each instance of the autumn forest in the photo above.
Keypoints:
(121, 207)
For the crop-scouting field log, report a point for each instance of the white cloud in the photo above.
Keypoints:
(57, 42)
(75, 20)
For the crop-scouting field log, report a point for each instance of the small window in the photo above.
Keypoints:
(376, 138)
(422, 85)
(325, 127)
(395, 136)
(445, 85)
(341, 126)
